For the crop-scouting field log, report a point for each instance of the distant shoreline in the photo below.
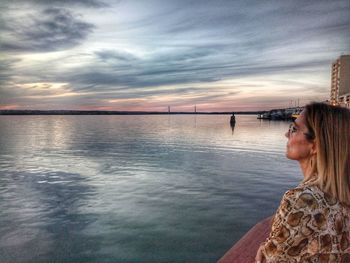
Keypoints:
(81, 112)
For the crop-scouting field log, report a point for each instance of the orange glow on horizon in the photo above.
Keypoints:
(204, 107)
(9, 107)
(214, 107)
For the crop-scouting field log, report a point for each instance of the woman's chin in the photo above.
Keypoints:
(289, 156)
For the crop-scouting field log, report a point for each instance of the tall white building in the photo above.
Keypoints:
(340, 83)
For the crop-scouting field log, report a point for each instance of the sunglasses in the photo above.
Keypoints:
(293, 129)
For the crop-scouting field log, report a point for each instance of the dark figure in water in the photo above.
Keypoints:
(233, 119)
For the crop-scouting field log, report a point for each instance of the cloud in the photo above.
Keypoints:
(114, 57)
(170, 49)
(85, 3)
(6, 69)
(47, 30)
(120, 71)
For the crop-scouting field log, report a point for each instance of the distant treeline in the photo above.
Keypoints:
(80, 112)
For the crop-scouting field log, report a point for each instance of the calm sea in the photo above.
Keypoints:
(178, 188)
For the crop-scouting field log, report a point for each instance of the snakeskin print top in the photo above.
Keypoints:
(309, 226)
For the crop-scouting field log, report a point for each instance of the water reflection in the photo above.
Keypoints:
(233, 125)
(41, 217)
(165, 188)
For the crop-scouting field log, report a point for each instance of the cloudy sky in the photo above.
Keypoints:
(220, 55)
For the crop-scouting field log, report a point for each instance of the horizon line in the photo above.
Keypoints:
(113, 112)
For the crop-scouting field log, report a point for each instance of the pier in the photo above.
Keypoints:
(281, 114)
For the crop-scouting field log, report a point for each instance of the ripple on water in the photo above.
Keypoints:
(135, 188)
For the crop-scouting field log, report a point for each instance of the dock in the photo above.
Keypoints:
(287, 114)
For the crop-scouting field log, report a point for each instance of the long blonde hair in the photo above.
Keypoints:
(329, 126)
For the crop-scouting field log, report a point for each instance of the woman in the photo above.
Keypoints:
(312, 223)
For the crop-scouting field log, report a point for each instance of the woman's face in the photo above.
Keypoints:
(298, 147)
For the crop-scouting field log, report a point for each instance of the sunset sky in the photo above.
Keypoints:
(222, 55)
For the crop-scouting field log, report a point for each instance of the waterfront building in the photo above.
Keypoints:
(340, 82)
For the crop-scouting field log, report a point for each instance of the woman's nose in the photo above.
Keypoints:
(287, 134)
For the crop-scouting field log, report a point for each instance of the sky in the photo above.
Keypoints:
(146, 55)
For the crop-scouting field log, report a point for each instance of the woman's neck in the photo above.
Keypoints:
(306, 167)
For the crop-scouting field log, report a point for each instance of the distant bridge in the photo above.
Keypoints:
(82, 112)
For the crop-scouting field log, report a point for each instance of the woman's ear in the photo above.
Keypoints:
(314, 147)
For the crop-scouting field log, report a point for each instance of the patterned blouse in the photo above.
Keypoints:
(309, 226)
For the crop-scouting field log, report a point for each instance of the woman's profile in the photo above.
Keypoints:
(312, 223)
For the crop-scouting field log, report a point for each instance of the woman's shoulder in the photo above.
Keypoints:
(304, 195)
(300, 198)
(307, 196)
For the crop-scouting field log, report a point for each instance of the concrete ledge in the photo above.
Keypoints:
(245, 249)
